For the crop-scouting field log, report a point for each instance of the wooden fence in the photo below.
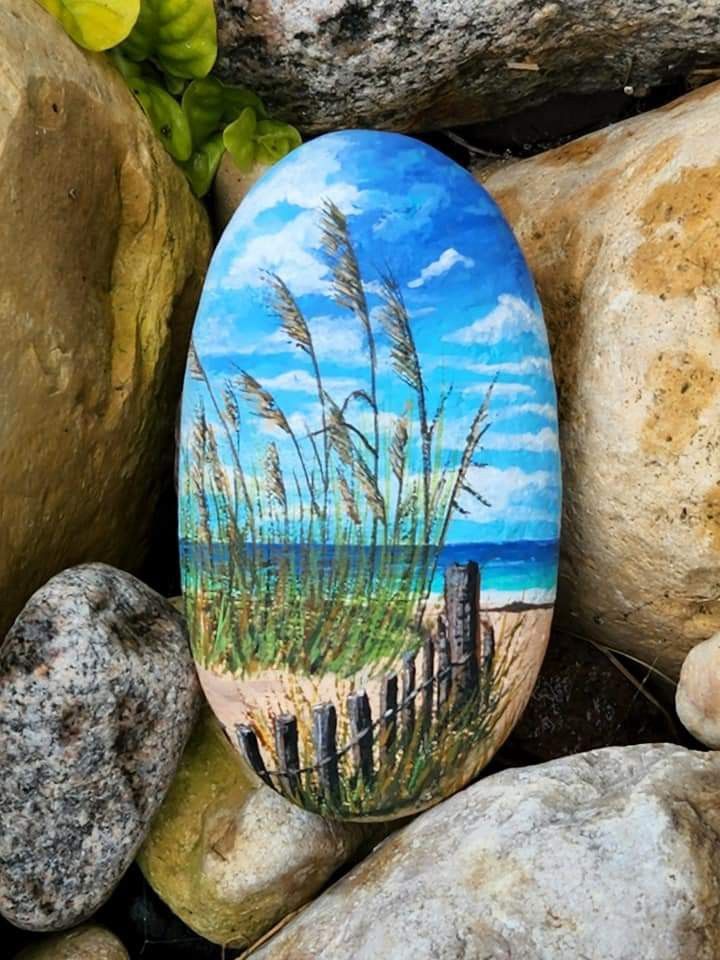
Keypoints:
(450, 671)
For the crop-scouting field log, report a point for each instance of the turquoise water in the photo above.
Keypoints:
(524, 570)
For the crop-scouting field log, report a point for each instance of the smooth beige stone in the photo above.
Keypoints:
(697, 698)
(229, 189)
(622, 232)
(230, 856)
(104, 250)
(83, 943)
(607, 855)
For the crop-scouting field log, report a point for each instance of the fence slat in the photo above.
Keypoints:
(487, 646)
(388, 715)
(248, 743)
(443, 652)
(408, 698)
(286, 745)
(361, 731)
(487, 652)
(428, 677)
(324, 735)
(462, 600)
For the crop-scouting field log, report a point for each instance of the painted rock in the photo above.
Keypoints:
(369, 477)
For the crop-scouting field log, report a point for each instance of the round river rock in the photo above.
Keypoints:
(97, 698)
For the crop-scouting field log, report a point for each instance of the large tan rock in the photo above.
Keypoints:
(230, 856)
(103, 255)
(622, 231)
(608, 855)
(83, 943)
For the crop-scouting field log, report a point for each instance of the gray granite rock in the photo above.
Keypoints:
(422, 64)
(98, 694)
(607, 855)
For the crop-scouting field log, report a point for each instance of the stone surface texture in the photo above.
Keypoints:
(621, 230)
(422, 64)
(697, 698)
(104, 251)
(229, 189)
(85, 943)
(608, 855)
(97, 697)
(229, 855)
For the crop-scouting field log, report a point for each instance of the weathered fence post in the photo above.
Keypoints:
(462, 601)
(487, 645)
(408, 695)
(388, 715)
(324, 734)
(361, 733)
(286, 745)
(428, 681)
(443, 649)
(247, 741)
(487, 652)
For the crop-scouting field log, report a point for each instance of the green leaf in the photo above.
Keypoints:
(210, 105)
(238, 138)
(166, 116)
(175, 85)
(181, 35)
(128, 68)
(95, 24)
(274, 140)
(202, 166)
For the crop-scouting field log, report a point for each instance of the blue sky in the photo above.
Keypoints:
(473, 308)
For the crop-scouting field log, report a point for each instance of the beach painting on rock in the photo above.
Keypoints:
(369, 478)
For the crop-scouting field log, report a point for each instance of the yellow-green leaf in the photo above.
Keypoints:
(181, 35)
(166, 116)
(210, 105)
(95, 24)
(238, 139)
(202, 166)
(274, 140)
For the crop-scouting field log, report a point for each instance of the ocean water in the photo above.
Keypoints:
(517, 572)
(523, 571)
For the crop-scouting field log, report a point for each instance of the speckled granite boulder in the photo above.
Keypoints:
(228, 855)
(97, 698)
(419, 64)
(607, 855)
(85, 943)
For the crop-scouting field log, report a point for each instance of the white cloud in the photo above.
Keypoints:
(214, 336)
(527, 366)
(373, 287)
(300, 381)
(510, 317)
(446, 261)
(515, 410)
(508, 491)
(287, 252)
(308, 188)
(500, 389)
(541, 442)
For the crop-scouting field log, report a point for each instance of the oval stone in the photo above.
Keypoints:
(369, 477)
(97, 697)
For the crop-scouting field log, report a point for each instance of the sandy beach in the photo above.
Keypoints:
(257, 696)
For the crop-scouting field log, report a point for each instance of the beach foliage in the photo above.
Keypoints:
(319, 552)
